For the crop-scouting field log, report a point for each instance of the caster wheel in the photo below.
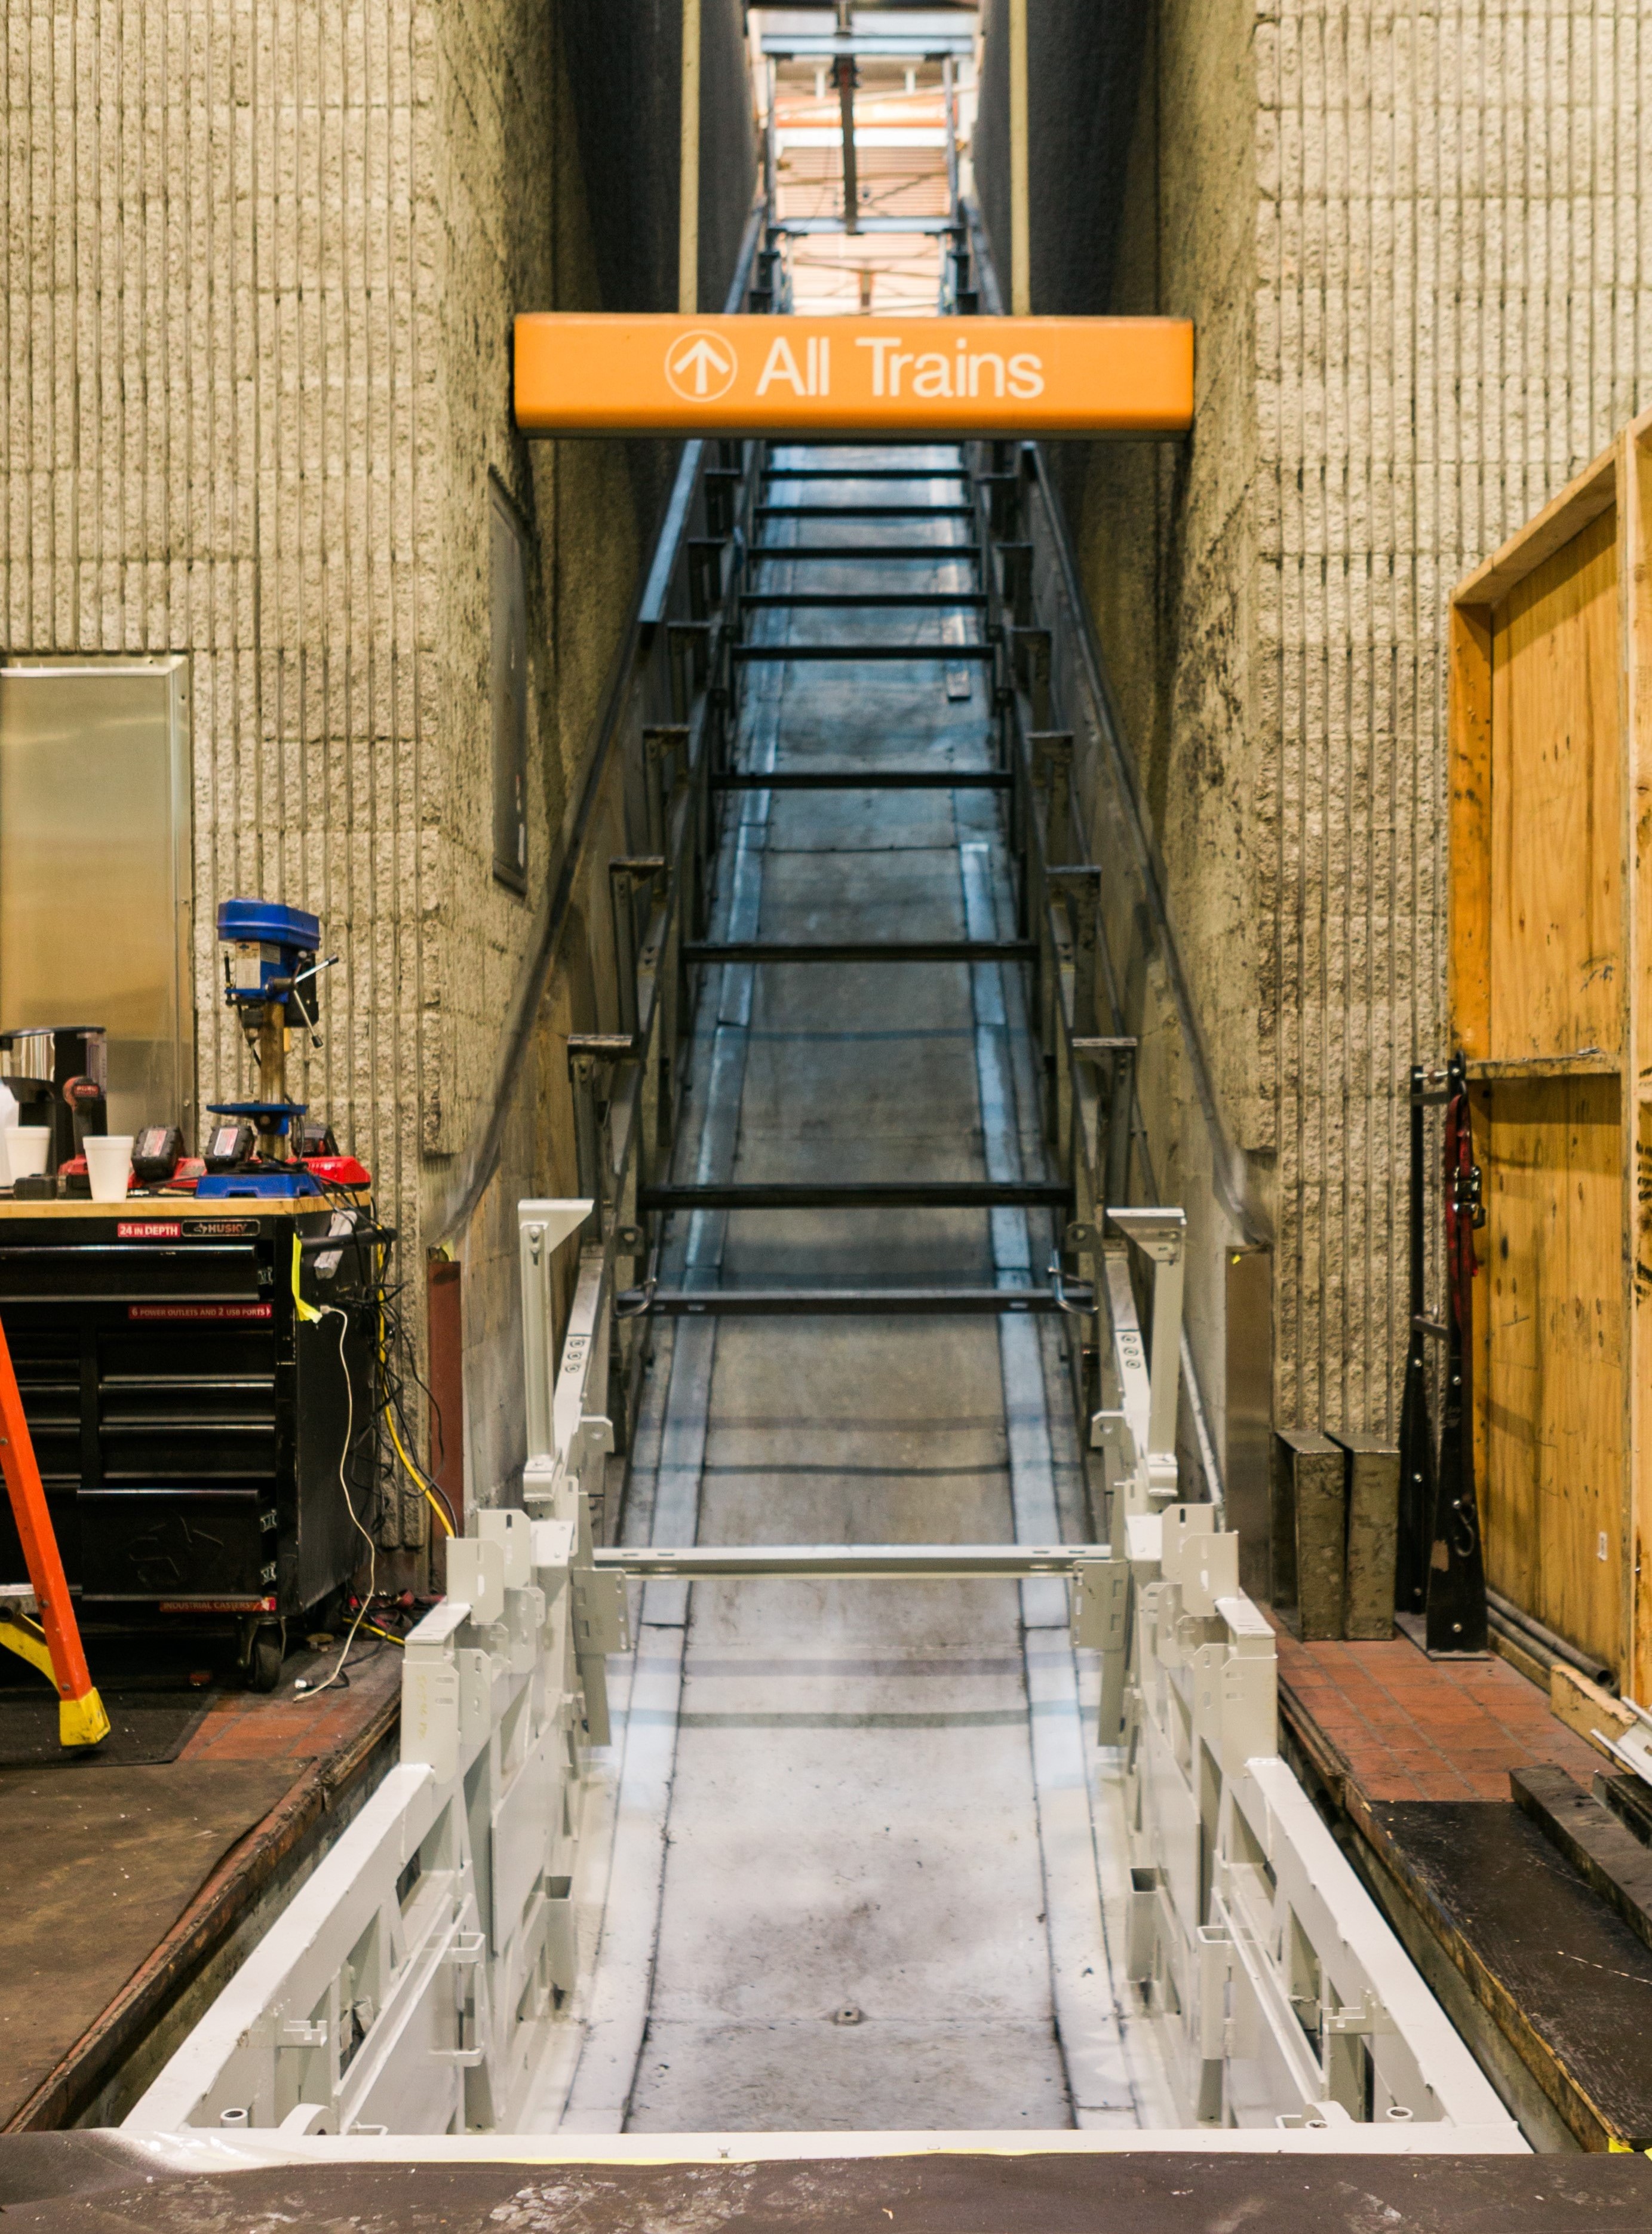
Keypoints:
(264, 1663)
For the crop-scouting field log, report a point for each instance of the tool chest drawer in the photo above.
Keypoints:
(146, 1544)
(131, 1273)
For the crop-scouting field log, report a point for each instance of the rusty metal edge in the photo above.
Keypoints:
(238, 1877)
(1330, 1763)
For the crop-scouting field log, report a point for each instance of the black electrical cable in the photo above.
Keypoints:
(366, 1289)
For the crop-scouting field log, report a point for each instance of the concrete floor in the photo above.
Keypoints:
(863, 1918)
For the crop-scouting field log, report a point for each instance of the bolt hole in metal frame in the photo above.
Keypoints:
(397, 2008)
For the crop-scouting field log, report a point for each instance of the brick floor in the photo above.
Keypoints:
(297, 1726)
(1400, 1726)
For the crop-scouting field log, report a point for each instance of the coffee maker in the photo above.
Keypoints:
(58, 1075)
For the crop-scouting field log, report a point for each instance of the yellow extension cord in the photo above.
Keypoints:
(413, 1475)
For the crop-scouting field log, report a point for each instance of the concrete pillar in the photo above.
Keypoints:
(254, 405)
(1415, 240)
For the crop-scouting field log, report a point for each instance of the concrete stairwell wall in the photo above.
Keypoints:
(260, 268)
(1416, 245)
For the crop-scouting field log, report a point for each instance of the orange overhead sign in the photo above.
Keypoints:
(580, 374)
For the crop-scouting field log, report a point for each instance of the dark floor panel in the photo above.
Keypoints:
(962, 2194)
(1565, 1978)
(103, 1862)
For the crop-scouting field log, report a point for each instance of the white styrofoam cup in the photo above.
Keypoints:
(108, 1165)
(26, 1149)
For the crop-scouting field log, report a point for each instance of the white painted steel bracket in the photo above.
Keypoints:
(1136, 1426)
(409, 1986)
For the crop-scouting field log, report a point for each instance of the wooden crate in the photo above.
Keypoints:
(1550, 905)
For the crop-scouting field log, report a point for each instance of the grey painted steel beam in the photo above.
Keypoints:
(878, 601)
(865, 473)
(864, 511)
(897, 224)
(867, 46)
(869, 779)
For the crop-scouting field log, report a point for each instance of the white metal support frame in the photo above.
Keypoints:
(1292, 2003)
(410, 1986)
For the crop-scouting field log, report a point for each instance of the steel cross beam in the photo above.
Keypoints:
(931, 553)
(868, 779)
(868, 511)
(873, 46)
(948, 652)
(877, 950)
(858, 1194)
(865, 473)
(802, 225)
(873, 1303)
(924, 1563)
(874, 600)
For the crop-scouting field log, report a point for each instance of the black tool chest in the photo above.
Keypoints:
(188, 1424)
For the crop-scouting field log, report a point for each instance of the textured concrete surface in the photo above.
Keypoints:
(260, 265)
(1415, 244)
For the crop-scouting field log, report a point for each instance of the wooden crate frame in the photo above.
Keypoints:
(1550, 673)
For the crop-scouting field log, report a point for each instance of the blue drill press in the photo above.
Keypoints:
(271, 977)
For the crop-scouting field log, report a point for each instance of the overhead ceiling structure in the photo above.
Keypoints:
(855, 108)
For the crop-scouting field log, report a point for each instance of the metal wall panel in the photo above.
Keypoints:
(95, 869)
(1249, 1411)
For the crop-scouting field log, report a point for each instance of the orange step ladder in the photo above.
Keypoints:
(53, 1642)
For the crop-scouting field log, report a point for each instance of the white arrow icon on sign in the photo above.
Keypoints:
(701, 366)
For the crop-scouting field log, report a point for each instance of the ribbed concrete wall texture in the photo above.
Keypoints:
(1417, 245)
(260, 266)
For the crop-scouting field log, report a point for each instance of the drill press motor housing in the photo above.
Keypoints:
(272, 981)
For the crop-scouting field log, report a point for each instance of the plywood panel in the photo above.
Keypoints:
(1637, 522)
(1470, 686)
(1557, 959)
(1551, 1303)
